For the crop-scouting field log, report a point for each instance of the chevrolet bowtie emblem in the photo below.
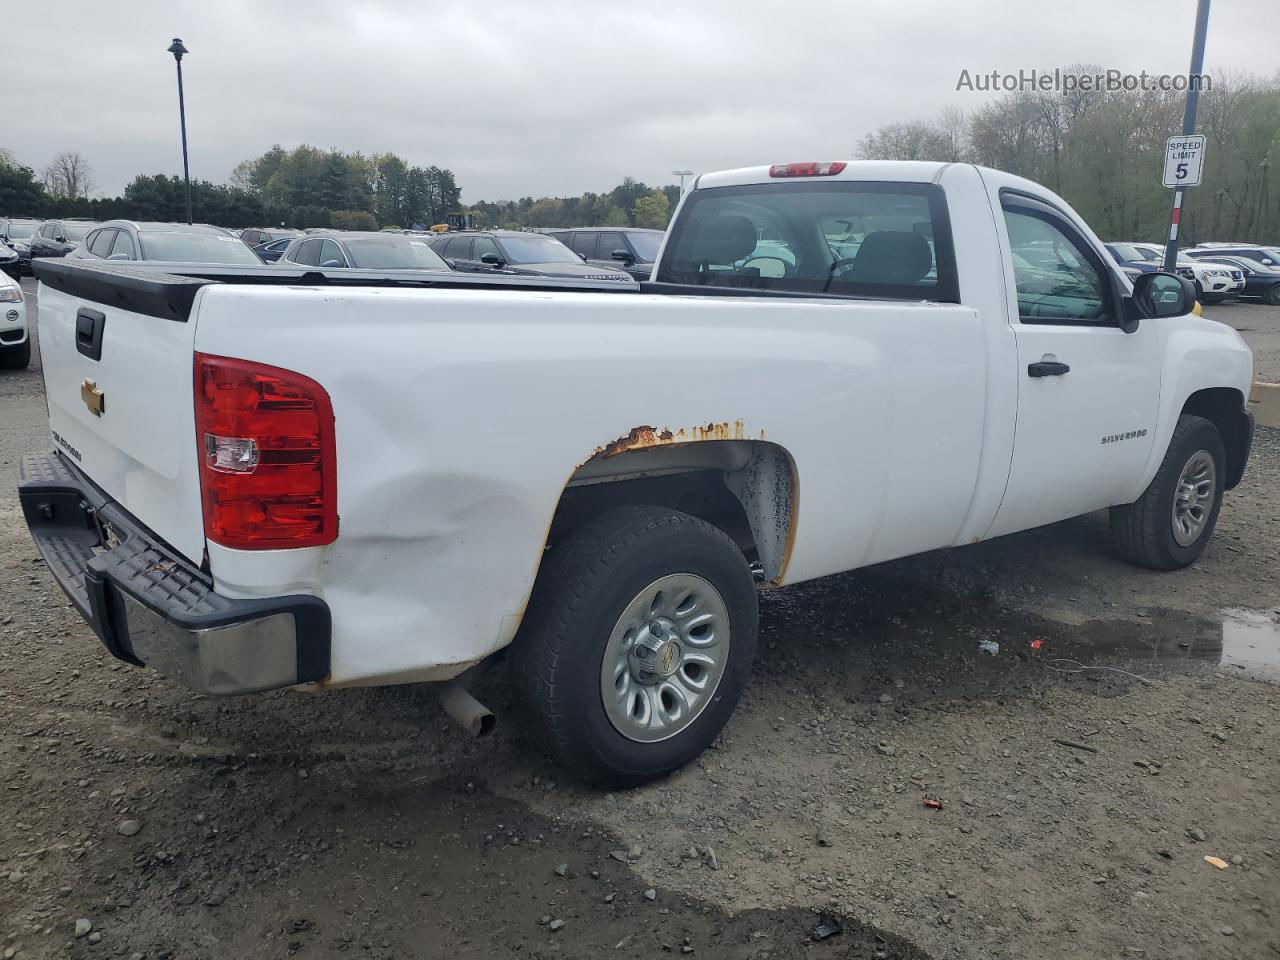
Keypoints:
(93, 398)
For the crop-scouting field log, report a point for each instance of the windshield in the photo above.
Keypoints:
(1127, 251)
(646, 245)
(78, 231)
(21, 231)
(393, 253)
(195, 248)
(537, 249)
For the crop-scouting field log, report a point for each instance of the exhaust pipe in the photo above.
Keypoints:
(470, 714)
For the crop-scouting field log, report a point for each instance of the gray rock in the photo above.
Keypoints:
(129, 828)
(1198, 835)
(562, 870)
(619, 855)
(1237, 860)
(83, 927)
(555, 924)
(712, 860)
(635, 852)
(1227, 931)
(885, 698)
(95, 937)
(651, 894)
(886, 749)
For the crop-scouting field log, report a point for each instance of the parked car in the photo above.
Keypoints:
(10, 262)
(256, 236)
(1260, 281)
(15, 341)
(362, 250)
(17, 233)
(1214, 284)
(631, 248)
(385, 481)
(1267, 256)
(57, 238)
(515, 252)
(168, 242)
(271, 252)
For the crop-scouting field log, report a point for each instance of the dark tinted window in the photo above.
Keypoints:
(583, 243)
(458, 248)
(536, 248)
(100, 242)
(307, 253)
(123, 246)
(607, 243)
(860, 239)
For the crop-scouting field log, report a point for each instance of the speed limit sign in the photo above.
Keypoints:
(1183, 161)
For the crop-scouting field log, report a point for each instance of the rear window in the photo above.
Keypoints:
(195, 248)
(21, 231)
(857, 239)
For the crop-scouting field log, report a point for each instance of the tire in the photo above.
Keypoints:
(16, 358)
(1146, 532)
(1272, 295)
(573, 642)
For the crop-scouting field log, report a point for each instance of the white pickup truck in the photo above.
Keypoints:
(265, 477)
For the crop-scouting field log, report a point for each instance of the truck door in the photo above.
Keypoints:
(1087, 391)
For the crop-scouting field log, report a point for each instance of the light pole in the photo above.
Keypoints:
(682, 174)
(1188, 127)
(177, 49)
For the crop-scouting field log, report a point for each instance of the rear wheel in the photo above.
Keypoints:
(637, 644)
(1168, 526)
(16, 358)
(1272, 295)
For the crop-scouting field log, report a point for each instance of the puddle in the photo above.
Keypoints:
(1251, 642)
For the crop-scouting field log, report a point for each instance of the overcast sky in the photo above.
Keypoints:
(552, 97)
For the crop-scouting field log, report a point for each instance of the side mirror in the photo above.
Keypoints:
(492, 259)
(1157, 295)
(622, 255)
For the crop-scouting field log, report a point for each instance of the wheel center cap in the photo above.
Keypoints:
(657, 653)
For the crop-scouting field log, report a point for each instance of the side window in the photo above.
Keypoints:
(608, 243)
(458, 248)
(584, 244)
(482, 246)
(1059, 278)
(330, 251)
(100, 242)
(307, 254)
(123, 246)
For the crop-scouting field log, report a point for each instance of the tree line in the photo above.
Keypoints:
(1103, 151)
(310, 187)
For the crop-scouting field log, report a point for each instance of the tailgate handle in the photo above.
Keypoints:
(89, 327)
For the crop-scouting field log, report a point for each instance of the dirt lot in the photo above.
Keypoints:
(143, 821)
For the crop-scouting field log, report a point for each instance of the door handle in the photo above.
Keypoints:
(89, 328)
(1047, 368)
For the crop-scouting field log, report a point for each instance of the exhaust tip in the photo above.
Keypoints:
(468, 712)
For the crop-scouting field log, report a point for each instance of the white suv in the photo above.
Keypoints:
(1214, 282)
(15, 344)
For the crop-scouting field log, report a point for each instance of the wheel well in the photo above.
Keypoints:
(747, 488)
(1224, 408)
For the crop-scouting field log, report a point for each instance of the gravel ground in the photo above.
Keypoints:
(144, 821)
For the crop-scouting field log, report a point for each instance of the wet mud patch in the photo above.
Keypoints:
(875, 629)
(333, 866)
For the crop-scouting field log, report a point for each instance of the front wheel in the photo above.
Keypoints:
(1169, 525)
(637, 644)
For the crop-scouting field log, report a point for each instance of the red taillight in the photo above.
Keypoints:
(809, 169)
(267, 451)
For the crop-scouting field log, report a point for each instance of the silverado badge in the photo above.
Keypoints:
(93, 397)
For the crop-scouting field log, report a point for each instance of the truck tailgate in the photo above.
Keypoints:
(117, 353)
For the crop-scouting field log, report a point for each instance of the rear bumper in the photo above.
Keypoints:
(150, 606)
